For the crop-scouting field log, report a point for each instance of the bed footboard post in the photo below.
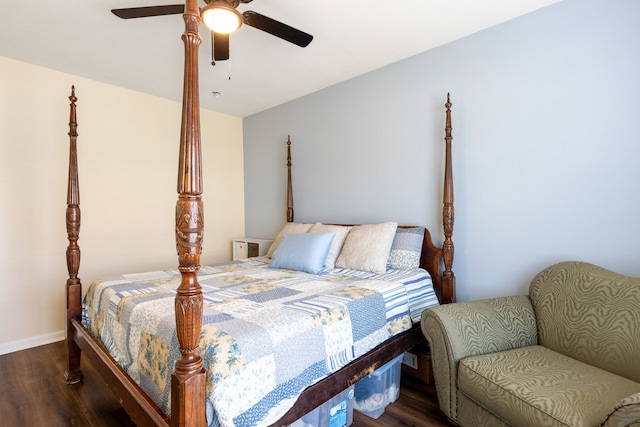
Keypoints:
(73, 373)
(448, 278)
(188, 378)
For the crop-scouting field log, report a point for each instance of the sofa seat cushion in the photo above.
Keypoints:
(536, 386)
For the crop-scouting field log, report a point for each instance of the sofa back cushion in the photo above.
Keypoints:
(590, 314)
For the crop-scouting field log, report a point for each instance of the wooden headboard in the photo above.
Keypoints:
(438, 261)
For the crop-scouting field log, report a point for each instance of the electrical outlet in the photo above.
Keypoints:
(410, 359)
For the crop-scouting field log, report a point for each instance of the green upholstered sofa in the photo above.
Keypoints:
(567, 354)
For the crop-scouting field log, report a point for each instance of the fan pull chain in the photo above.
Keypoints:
(213, 60)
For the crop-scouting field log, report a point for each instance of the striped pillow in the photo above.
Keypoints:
(406, 249)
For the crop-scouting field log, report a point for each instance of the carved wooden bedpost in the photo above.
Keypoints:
(188, 378)
(448, 278)
(289, 186)
(74, 286)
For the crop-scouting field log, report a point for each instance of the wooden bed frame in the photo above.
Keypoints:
(188, 378)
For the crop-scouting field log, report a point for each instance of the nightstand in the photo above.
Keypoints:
(247, 247)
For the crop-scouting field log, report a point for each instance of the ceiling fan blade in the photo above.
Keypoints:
(220, 46)
(276, 28)
(147, 11)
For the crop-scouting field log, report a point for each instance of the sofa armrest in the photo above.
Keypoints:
(459, 330)
(626, 413)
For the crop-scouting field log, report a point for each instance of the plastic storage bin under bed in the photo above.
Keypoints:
(376, 391)
(335, 412)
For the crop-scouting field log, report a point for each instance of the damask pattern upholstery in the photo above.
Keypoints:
(625, 413)
(535, 386)
(470, 413)
(498, 324)
(590, 314)
(568, 354)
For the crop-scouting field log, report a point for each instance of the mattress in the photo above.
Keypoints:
(267, 333)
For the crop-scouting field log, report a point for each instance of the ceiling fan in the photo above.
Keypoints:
(221, 37)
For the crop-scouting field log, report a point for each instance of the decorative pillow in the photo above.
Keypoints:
(341, 234)
(406, 249)
(625, 413)
(303, 251)
(367, 247)
(289, 228)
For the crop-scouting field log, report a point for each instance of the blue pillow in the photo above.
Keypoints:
(303, 251)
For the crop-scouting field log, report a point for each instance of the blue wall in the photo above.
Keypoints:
(546, 130)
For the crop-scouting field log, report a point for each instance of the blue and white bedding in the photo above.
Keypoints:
(267, 333)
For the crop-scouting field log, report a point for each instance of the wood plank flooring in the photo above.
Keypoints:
(33, 393)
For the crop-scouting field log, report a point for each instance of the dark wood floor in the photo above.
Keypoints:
(33, 393)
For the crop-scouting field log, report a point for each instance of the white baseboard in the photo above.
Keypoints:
(10, 347)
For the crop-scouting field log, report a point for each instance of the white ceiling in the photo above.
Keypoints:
(351, 37)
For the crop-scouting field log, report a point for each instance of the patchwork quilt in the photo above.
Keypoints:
(267, 333)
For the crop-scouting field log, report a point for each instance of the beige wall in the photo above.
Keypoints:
(128, 149)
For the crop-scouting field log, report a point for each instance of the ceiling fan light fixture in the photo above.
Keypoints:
(221, 18)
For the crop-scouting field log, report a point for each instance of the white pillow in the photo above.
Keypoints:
(289, 228)
(341, 234)
(367, 247)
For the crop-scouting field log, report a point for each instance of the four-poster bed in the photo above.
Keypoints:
(188, 386)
